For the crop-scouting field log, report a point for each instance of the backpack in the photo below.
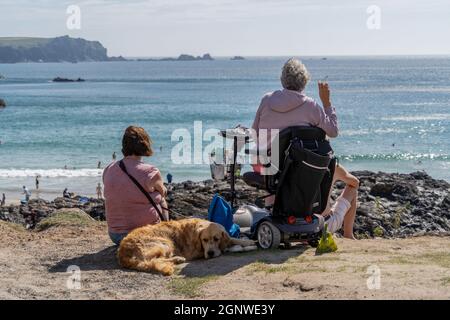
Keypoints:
(220, 212)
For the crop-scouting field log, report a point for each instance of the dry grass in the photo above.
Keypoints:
(73, 217)
(189, 287)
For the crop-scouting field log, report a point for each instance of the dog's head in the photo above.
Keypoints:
(213, 239)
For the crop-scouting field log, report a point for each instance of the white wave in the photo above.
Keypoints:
(50, 173)
(417, 104)
(425, 117)
(364, 132)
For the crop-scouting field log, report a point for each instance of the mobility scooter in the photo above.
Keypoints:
(300, 181)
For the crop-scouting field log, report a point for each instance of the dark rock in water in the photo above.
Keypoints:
(237, 58)
(390, 205)
(117, 59)
(2, 103)
(58, 79)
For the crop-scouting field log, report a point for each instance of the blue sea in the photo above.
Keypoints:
(394, 113)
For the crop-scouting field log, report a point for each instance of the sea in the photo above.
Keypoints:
(394, 113)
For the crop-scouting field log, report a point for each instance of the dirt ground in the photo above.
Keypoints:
(34, 265)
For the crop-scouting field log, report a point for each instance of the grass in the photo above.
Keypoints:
(261, 266)
(441, 259)
(23, 42)
(189, 287)
(378, 232)
(445, 281)
(65, 217)
(15, 226)
(378, 206)
(401, 260)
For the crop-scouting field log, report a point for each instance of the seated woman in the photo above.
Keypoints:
(127, 207)
(291, 107)
(343, 211)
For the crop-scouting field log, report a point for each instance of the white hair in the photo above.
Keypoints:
(294, 75)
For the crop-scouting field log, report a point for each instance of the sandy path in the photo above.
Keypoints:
(34, 264)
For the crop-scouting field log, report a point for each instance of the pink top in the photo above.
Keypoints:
(127, 207)
(285, 108)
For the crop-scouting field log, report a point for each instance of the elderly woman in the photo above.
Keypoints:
(291, 107)
(127, 207)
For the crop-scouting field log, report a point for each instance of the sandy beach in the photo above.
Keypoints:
(37, 264)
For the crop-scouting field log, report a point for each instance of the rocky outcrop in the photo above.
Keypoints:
(390, 205)
(60, 49)
(59, 79)
(32, 213)
(183, 57)
(117, 59)
(399, 205)
(2, 103)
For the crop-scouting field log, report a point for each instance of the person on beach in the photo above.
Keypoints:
(114, 156)
(37, 182)
(126, 206)
(99, 191)
(66, 193)
(2, 204)
(27, 193)
(99, 165)
(290, 106)
(169, 178)
(343, 211)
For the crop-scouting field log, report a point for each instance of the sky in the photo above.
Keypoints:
(155, 28)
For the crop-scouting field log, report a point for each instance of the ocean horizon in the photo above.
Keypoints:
(393, 112)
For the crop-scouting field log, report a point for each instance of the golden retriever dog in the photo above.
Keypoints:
(157, 248)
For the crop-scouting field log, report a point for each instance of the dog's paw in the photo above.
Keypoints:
(235, 248)
(250, 248)
(178, 259)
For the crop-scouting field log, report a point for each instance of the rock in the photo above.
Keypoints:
(381, 190)
(2, 103)
(115, 59)
(390, 204)
(58, 79)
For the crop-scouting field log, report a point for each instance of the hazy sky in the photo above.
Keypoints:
(239, 27)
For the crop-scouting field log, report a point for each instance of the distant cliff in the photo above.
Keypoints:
(60, 49)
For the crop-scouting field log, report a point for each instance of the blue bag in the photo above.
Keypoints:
(221, 212)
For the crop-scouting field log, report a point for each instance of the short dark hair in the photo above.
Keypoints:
(136, 142)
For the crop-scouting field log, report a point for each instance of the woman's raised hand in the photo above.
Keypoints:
(324, 94)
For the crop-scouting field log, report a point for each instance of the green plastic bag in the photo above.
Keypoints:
(326, 242)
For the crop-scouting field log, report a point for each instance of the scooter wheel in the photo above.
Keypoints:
(269, 236)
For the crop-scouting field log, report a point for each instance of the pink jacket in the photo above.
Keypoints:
(126, 207)
(284, 108)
